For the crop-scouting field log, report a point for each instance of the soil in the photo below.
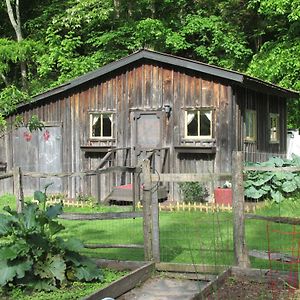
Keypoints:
(243, 288)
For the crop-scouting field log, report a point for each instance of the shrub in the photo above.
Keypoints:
(32, 256)
(193, 191)
(273, 185)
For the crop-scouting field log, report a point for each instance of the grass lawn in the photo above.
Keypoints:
(190, 237)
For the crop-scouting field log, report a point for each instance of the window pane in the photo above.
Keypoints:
(192, 123)
(250, 125)
(205, 123)
(107, 118)
(274, 128)
(96, 125)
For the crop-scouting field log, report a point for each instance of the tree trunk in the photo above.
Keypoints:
(15, 20)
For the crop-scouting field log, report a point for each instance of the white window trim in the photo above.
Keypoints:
(276, 116)
(101, 137)
(198, 137)
(254, 114)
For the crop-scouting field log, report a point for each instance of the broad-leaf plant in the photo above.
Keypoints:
(275, 185)
(33, 256)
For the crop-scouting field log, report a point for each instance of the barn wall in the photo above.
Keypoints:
(263, 104)
(148, 87)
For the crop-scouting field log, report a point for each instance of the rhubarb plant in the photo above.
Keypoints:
(31, 253)
(276, 185)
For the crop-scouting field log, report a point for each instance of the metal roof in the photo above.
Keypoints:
(233, 76)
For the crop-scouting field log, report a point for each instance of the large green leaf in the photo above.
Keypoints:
(73, 244)
(289, 186)
(277, 196)
(39, 196)
(55, 227)
(53, 267)
(253, 193)
(12, 251)
(29, 215)
(88, 273)
(264, 178)
(54, 211)
(10, 270)
(5, 224)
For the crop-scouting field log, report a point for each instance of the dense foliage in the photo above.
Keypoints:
(54, 41)
(273, 185)
(193, 191)
(32, 256)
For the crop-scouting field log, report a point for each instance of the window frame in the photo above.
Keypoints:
(251, 138)
(198, 137)
(101, 113)
(277, 130)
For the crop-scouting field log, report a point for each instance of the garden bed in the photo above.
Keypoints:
(76, 290)
(252, 284)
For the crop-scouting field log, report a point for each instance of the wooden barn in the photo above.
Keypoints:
(192, 115)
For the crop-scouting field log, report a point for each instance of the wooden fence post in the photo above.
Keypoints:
(18, 188)
(238, 203)
(147, 216)
(155, 226)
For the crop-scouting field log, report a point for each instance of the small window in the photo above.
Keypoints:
(250, 125)
(101, 125)
(274, 128)
(198, 124)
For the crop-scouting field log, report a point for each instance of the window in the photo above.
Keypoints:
(250, 125)
(198, 124)
(101, 125)
(274, 128)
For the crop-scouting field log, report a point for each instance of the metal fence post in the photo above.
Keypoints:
(238, 203)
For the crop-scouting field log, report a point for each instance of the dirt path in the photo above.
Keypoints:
(159, 288)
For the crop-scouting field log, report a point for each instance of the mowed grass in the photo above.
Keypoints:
(189, 237)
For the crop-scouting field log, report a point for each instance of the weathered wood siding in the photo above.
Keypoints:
(149, 86)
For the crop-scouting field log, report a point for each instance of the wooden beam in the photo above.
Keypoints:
(189, 268)
(6, 175)
(124, 284)
(213, 285)
(282, 220)
(276, 256)
(100, 246)
(18, 188)
(238, 204)
(120, 265)
(147, 199)
(101, 216)
(272, 169)
(187, 177)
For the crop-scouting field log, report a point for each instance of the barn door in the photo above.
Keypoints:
(39, 151)
(147, 133)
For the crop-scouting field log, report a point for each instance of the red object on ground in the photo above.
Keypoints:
(124, 187)
(223, 196)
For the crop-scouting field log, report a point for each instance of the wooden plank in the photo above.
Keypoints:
(189, 268)
(238, 204)
(282, 257)
(101, 216)
(120, 265)
(282, 220)
(147, 199)
(6, 175)
(99, 246)
(185, 177)
(214, 285)
(124, 284)
(18, 189)
(272, 169)
(190, 276)
(155, 227)
(84, 173)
